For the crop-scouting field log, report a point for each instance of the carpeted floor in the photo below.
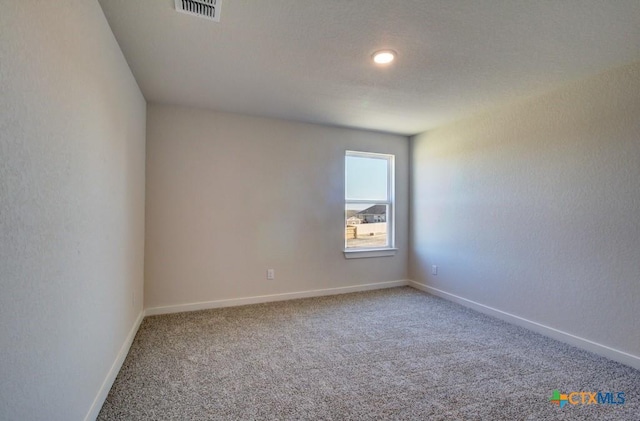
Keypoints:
(396, 354)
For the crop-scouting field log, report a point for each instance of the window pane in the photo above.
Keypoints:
(366, 225)
(366, 178)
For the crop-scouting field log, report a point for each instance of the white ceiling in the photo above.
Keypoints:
(310, 60)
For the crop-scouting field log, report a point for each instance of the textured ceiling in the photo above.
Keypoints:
(310, 60)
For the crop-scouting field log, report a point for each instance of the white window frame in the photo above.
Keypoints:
(389, 249)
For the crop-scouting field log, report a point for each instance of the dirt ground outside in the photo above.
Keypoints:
(377, 240)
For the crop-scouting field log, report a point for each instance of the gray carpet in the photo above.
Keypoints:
(396, 354)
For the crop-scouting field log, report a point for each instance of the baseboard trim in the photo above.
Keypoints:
(586, 344)
(113, 371)
(233, 302)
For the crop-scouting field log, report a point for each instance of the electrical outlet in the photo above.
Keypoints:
(434, 269)
(271, 274)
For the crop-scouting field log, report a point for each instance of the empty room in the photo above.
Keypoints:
(319, 210)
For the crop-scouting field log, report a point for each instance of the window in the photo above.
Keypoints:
(369, 204)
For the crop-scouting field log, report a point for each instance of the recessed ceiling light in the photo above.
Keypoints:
(384, 56)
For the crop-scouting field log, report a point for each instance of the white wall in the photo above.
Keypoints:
(534, 210)
(364, 230)
(229, 196)
(72, 145)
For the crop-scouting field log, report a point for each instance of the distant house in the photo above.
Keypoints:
(354, 220)
(376, 213)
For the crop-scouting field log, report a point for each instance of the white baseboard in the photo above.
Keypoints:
(596, 348)
(113, 371)
(233, 302)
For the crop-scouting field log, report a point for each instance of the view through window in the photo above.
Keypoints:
(368, 200)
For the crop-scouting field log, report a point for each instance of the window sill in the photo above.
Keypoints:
(361, 254)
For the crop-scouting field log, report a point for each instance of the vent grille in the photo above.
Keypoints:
(209, 9)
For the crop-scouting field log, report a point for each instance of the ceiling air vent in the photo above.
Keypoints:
(209, 9)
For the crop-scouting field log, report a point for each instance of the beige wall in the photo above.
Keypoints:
(229, 196)
(72, 145)
(534, 209)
